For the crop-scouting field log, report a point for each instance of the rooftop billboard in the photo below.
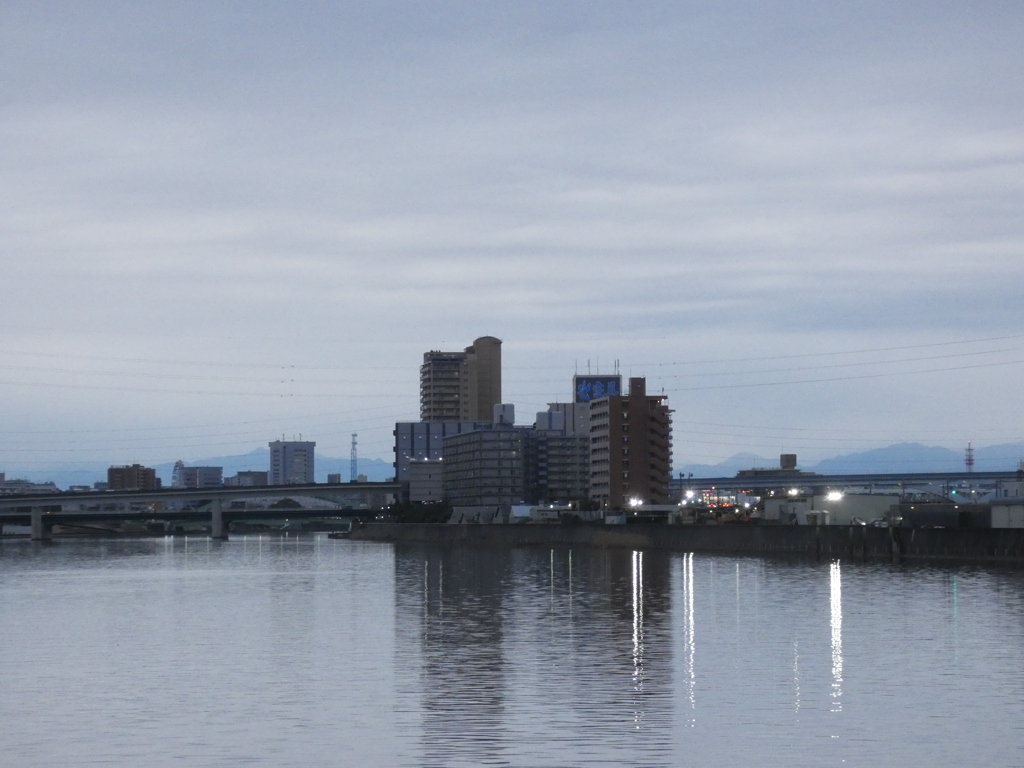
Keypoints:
(589, 388)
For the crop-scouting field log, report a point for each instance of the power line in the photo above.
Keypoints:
(839, 365)
(144, 390)
(802, 429)
(144, 374)
(206, 363)
(199, 426)
(849, 378)
(252, 433)
(290, 367)
(625, 364)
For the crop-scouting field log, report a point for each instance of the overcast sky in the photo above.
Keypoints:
(223, 222)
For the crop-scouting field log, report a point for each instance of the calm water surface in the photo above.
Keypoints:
(312, 652)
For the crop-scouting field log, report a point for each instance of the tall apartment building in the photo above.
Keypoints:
(559, 459)
(132, 478)
(291, 462)
(559, 467)
(630, 448)
(461, 386)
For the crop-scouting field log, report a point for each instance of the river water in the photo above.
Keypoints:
(309, 651)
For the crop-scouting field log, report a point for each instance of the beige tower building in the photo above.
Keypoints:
(461, 386)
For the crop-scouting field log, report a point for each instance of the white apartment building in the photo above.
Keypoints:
(291, 462)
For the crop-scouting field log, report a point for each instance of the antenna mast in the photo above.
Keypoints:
(353, 463)
(969, 457)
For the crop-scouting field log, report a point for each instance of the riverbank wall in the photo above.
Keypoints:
(856, 542)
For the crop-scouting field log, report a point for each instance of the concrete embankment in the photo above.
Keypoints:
(835, 541)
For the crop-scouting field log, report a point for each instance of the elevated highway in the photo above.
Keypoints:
(43, 511)
(769, 480)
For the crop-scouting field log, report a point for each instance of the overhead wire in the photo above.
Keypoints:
(409, 398)
(166, 375)
(199, 426)
(662, 363)
(149, 390)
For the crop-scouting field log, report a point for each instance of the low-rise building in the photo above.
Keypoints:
(196, 477)
(424, 441)
(247, 480)
(425, 480)
(133, 477)
(19, 486)
(1008, 513)
(830, 508)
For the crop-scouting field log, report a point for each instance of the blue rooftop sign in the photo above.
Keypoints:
(589, 388)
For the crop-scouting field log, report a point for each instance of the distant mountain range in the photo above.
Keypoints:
(902, 457)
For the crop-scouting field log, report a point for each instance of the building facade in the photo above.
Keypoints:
(252, 479)
(15, 485)
(559, 467)
(424, 441)
(461, 386)
(196, 477)
(291, 462)
(425, 481)
(441, 386)
(487, 467)
(630, 448)
(132, 478)
(559, 459)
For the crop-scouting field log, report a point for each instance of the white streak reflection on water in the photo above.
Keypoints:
(638, 635)
(836, 608)
(689, 640)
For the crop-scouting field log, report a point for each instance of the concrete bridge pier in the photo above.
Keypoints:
(217, 528)
(40, 530)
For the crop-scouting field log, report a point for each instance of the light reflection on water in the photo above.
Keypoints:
(638, 635)
(309, 651)
(689, 640)
(836, 608)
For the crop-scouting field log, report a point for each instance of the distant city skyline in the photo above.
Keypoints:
(800, 223)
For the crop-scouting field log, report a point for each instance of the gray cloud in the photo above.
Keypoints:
(303, 184)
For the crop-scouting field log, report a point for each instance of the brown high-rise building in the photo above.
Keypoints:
(461, 386)
(133, 478)
(630, 448)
